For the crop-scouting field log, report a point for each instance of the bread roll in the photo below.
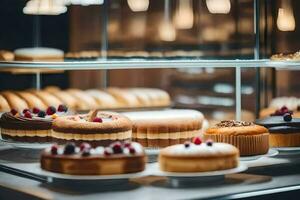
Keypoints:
(4, 106)
(32, 100)
(14, 101)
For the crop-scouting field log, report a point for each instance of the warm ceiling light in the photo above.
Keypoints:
(138, 5)
(286, 19)
(184, 16)
(44, 7)
(167, 31)
(218, 6)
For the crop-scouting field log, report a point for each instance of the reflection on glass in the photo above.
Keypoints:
(286, 19)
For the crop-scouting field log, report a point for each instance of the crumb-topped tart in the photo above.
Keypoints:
(97, 127)
(30, 125)
(249, 138)
(117, 158)
(198, 156)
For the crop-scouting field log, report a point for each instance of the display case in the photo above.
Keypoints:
(225, 72)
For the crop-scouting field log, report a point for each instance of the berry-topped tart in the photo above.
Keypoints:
(198, 156)
(284, 129)
(97, 127)
(117, 158)
(30, 125)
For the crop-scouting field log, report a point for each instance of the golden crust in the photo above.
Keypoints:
(67, 124)
(4, 106)
(32, 101)
(14, 101)
(243, 130)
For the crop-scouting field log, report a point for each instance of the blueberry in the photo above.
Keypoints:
(42, 114)
(69, 149)
(287, 117)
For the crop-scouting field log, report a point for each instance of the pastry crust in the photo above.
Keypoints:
(86, 102)
(104, 99)
(47, 98)
(38, 54)
(235, 131)
(4, 106)
(6, 55)
(14, 101)
(198, 158)
(32, 101)
(126, 99)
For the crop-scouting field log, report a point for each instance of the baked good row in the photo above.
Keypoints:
(129, 157)
(286, 57)
(150, 128)
(52, 54)
(77, 99)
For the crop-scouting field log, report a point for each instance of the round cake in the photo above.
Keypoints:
(284, 130)
(249, 138)
(98, 128)
(39, 54)
(118, 158)
(166, 127)
(198, 156)
(30, 125)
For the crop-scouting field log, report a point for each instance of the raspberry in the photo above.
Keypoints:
(51, 110)
(35, 110)
(62, 108)
(131, 150)
(26, 110)
(107, 151)
(84, 146)
(13, 111)
(117, 148)
(197, 141)
(27, 114)
(97, 119)
(54, 149)
(127, 144)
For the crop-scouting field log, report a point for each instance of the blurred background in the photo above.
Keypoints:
(208, 29)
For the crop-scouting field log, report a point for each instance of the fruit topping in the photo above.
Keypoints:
(54, 116)
(209, 143)
(131, 150)
(127, 144)
(86, 152)
(187, 144)
(42, 114)
(108, 151)
(13, 111)
(97, 119)
(117, 148)
(54, 149)
(84, 146)
(197, 141)
(283, 110)
(35, 110)
(69, 148)
(27, 114)
(26, 110)
(287, 117)
(51, 110)
(62, 108)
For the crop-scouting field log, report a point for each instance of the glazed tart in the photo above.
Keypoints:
(249, 138)
(118, 158)
(166, 127)
(284, 130)
(197, 156)
(97, 128)
(30, 125)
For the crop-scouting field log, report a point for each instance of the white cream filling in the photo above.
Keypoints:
(173, 135)
(91, 137)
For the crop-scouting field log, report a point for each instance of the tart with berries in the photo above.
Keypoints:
(30, 125)
(249, 138)
(97, 127)
(117, 158)
(284, 130)
(198, 156)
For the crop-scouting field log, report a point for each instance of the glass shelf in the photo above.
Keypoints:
(146, 63)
